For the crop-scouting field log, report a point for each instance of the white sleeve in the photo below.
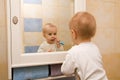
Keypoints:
(68, 65)
(40, 50)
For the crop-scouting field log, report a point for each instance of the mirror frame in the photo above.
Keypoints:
(15, 47)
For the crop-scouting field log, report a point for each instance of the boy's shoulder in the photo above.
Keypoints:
(73, 49)
(83, 47)
(44, 44)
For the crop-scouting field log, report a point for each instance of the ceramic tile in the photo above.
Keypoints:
(3, 34)
(51, 20)
(33, 1)
(112, 1)
(3, 14)
(105, 39)
(31, 49)
(117, 1)
(111, 65)
(33, 38)
(50, 3)
(104, 12)
(32, 25)
(50, 12)
(117, 40)
(32, 11)
(117, 15)
(65, 3)
(65, 13)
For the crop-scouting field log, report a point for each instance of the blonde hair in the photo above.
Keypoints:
(84, 24)
(47, 24)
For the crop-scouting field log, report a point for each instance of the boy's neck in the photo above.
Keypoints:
(82, 41)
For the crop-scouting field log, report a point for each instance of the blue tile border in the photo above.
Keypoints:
(31, 49)
(32, 24)
(33, 1)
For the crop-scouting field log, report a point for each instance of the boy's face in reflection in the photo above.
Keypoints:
(50, 34)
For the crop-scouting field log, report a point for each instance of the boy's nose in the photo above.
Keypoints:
(53, 36)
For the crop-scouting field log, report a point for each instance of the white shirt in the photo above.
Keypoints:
(88, 61)
(45, 47)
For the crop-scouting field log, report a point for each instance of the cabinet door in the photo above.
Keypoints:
(26, 20)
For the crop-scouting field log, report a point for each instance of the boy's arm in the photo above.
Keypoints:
(68, 66)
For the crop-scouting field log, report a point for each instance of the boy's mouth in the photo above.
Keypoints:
(53, 39)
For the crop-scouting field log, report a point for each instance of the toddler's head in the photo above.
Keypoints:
(50, 33)
(82, 26)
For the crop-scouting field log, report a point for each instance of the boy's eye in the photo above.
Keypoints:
(50, 34)
(54, 33)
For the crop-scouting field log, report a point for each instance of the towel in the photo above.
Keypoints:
(30, 73)
(55, 70)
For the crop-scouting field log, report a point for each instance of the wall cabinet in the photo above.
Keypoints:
(25, 19)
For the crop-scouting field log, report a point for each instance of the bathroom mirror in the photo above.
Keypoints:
(36, 13)
(25, 19)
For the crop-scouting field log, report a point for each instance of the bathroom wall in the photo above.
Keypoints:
(107, 14)
(3, 42)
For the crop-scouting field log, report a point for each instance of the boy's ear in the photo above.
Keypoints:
(74, 34)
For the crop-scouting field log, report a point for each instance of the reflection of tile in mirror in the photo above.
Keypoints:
(32, 25)
(31, 49)
(33, 38)
(51, 12)
(32, 11)
(66, 3)
(33, 1)
(50, 2)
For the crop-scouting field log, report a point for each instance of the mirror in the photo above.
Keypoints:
(36, 13)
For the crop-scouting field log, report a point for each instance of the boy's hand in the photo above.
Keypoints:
(58, 43)
(50, 50)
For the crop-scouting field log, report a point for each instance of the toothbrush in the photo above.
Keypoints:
(61, 42)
